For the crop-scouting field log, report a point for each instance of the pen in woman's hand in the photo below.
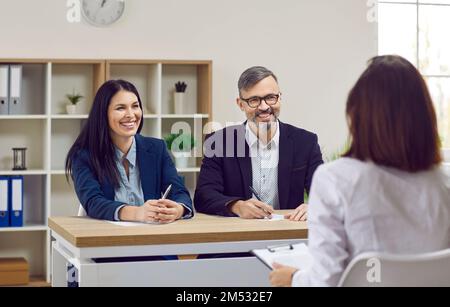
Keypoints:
(166, 193)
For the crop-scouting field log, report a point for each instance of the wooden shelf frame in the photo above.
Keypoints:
(56, 130)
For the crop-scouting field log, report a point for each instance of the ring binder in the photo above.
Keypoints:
(4, 201)
(16, 201)
(10, 89)
(15, 90)
(4, 89)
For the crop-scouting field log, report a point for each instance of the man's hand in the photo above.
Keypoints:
(251, 209)
(281, 276)
(299, 214)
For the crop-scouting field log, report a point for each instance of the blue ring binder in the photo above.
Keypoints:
(16, 201)
(4, 201)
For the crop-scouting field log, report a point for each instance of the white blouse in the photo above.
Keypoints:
(358, 207)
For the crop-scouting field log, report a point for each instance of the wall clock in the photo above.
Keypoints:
(102, 13)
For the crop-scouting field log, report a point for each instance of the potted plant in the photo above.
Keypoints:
(180, 145)
(178, 98)
(74, 100)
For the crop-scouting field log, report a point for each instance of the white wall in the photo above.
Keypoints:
(316, 47)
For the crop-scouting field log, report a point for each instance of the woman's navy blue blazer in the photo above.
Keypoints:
(156, 169)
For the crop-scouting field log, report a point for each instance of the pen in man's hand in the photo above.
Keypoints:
(255, 193)
(166, 193)
(252, 189)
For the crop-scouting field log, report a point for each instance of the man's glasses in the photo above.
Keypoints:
(254, 102)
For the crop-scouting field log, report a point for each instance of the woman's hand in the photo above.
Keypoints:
(148, 212)
(169, 211)
(282, 275)
(153, 211)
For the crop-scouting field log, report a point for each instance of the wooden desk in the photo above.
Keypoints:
(78, 240)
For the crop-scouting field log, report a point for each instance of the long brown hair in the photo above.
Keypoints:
(391, 117)
(95, 136)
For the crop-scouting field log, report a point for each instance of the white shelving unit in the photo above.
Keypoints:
(29, 227)
(48, 133)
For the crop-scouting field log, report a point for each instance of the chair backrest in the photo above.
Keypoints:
(81, 211)
(431, 269)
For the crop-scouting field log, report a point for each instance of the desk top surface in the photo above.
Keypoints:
(86, 232)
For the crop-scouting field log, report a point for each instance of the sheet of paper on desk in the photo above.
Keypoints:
(275, 217)
(295, 255)
(131, 224)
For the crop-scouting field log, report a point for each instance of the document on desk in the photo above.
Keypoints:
(294, 255)
(131, 224)
(274, 217)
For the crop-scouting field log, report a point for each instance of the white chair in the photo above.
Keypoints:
(81, 211)
(430, 269)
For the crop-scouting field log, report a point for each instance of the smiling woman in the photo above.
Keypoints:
(124, 118)
(119, 174)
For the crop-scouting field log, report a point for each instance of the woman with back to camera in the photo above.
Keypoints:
(118, 174)
(387, 193)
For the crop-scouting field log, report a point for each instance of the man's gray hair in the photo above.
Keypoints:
(252, 76)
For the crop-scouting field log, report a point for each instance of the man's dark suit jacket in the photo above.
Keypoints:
(226, 172)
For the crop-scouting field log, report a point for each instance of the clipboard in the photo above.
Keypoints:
(294, 255)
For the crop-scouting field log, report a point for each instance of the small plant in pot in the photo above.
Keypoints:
(179, 96)
(74, 99)
(180, 145)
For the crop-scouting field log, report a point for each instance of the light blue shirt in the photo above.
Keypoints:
(129, 191)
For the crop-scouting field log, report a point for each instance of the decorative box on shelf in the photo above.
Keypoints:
(14, 272)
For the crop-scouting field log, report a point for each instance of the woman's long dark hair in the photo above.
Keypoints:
(392, 118)
(95, 136)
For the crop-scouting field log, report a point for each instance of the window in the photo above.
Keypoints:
(419, 31)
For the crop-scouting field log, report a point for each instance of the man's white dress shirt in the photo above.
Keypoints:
(265, 158)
